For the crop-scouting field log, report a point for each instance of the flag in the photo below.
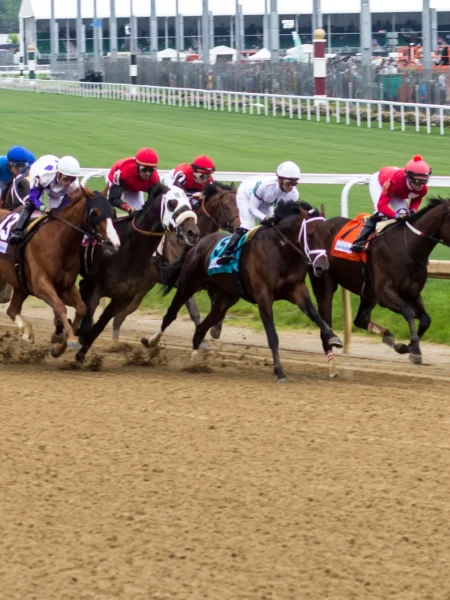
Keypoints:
(97, 23)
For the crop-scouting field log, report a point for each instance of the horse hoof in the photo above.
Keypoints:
(389, 341)
(333, 373)
(57, 338)
(416, 359)
(401, 348)
(28, 338)
(145, 342)
(80, 356)
(335, 342)
(115, 342)
(58, 350)
(204, 347)
(73, 344)
(282, 380)
(215, 333)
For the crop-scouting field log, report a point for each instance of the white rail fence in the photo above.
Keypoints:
(365, 113)
(439, 269)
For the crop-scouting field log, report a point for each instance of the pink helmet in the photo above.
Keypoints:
(417, 169)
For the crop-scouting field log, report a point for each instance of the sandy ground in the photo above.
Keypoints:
(148, 481)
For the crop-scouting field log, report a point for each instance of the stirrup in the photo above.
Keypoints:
(15, 239)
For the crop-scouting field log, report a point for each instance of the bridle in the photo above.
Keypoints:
(15, 196)
(228, 224)
(96, 237)
(174, 227)
(419, 233)
(308, 255)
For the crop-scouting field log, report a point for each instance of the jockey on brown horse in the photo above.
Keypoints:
(46, 264)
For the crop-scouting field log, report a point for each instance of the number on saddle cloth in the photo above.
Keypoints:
(6, 228)
(219, 249)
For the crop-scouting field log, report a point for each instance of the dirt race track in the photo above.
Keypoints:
(153, 482)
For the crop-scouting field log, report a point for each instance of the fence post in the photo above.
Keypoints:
(31, 62)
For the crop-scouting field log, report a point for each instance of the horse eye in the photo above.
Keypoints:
(172, 204)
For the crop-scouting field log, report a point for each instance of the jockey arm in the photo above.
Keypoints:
(383, 206)
(35, 198)
(115, 196)
(253, 208)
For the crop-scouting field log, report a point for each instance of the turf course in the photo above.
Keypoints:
(98, 132)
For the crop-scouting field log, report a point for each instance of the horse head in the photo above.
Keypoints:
(18, 192)
(177, 215)
(219, 205)
(311, 232)
(99, 215)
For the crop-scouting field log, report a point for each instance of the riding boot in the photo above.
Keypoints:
(369, 227)
(228, 254)
(17, 233)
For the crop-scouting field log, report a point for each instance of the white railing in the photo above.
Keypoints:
(368, 113)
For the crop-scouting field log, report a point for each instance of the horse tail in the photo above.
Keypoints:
(171, 273)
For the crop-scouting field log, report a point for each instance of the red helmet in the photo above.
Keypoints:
(147, 157)
(203, 164)
(418, 169)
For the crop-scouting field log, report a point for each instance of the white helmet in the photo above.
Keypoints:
(288, 170)
(68, 165)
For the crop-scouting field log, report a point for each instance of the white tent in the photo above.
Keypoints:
(260, 56)
(170, 54)
(222, 54)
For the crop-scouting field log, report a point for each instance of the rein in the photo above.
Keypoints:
(143, 232)
(425, 235)
(306, 254)
(92, 236)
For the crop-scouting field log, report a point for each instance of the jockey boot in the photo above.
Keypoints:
(369, 227)
(228, 256)
(17, 233)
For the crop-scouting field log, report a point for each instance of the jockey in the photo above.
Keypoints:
(130, 178)
(58, 178)
(395, 193)
(16, 161)
(257, 198)
(194, 177)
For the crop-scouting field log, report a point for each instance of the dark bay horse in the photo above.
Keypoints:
(125, 275)
(394, 277)
(273, 266)
(51, 262)
(17, 193)
(216, 210)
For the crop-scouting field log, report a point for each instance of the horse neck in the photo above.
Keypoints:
(290, 227)
(150, 218)
(74, 214)
(430, 224)
(204, 223)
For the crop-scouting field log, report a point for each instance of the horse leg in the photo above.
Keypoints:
(265, 306)
(113, 309)
(219, 308)
(194, 313)
(120, 318)
(46, 291)
(392, 301)
(324, 289)
(91, 299)
(424, 324)
(13, 312)
(73, 298)
(362, 320)
(216, 330)
(182, 295)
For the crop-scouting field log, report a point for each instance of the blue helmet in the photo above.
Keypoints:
(18, 154)
(31, 158)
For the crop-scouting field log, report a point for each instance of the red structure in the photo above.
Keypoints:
(320, 64)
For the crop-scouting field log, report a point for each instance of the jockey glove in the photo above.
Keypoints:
(268, 221)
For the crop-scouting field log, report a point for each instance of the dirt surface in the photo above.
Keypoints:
(139, 479)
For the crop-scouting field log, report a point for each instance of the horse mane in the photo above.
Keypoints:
(212, 188)
(157, 190)
(294, 207)
(432, 203)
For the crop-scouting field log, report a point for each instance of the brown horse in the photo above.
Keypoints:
(51, 262)
(394, 277)
(273, 266)
(17, 193)
(124, 276)
(217, 210)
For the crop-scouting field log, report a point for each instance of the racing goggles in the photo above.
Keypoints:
(290, 182)
(145, 169)
(19, 165)
(204, 176)
(66, 178)
(419, 180)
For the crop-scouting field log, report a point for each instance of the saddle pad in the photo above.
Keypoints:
(346, 236)
(218, 250)
(7, 226)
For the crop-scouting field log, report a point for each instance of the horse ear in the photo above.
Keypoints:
(322, 210)
(233, 186)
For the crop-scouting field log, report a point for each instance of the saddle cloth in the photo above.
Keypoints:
(7, 226)
(347, 235)
(218, 250)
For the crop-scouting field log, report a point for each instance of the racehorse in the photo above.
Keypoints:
(394, 276)
(124, 276)
(216, 210)
(17, 193)
(50, 261)
(273, 266)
